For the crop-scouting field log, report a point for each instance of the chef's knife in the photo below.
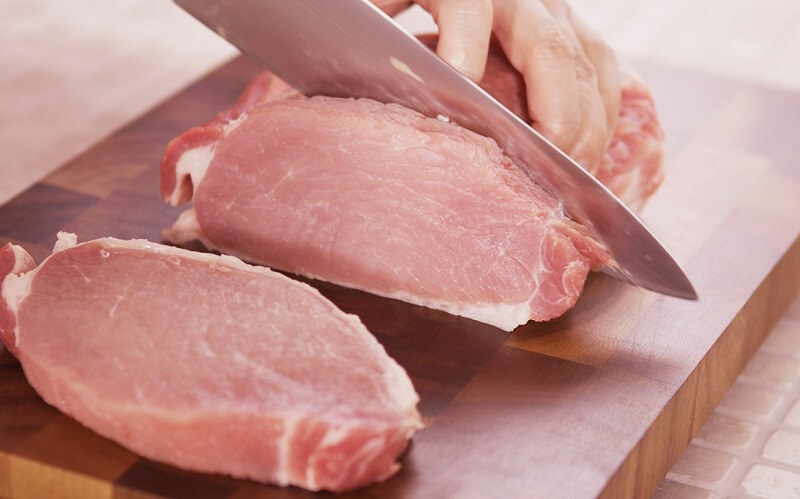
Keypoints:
(349, 48)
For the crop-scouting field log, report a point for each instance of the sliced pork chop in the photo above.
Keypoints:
(206, 363)
(381, 198)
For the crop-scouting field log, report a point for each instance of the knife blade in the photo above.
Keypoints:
(349, 48)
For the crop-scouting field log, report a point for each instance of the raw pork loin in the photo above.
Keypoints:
(381, 198)
(378, 197)
(632, 165)
(206, 363)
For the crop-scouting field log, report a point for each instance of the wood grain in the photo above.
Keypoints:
(599, 402)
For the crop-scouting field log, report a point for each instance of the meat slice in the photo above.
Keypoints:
(206, 363)
(381, 198)
(632, 166)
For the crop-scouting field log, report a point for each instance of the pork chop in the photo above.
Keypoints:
(206, 363)
(380, 198)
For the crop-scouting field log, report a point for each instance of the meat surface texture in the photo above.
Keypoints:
(206, 363)
(381, 198)
(378, 197)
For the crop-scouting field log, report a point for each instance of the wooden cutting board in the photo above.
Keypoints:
(599, 402)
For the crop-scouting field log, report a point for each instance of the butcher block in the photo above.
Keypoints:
(599, 402)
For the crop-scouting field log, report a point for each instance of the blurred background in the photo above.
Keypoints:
(73, 72)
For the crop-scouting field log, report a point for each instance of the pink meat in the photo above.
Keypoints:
(632, 165)
(207, 363)
(381, 198)
(264, 87)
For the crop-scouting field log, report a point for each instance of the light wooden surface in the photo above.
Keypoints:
(74, 73)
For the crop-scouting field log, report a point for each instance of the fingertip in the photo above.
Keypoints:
(469, 65)
(465, 29)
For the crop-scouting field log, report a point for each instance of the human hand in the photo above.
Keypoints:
(571, 78)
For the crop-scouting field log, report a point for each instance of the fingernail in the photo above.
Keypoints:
(458, 60)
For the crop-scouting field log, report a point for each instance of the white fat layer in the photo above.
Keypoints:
(194, 164)
(233, 124)
(284, 450)
(186, 228)
(16, 287)
(65, 240)
(506, 316)
(334, 436)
